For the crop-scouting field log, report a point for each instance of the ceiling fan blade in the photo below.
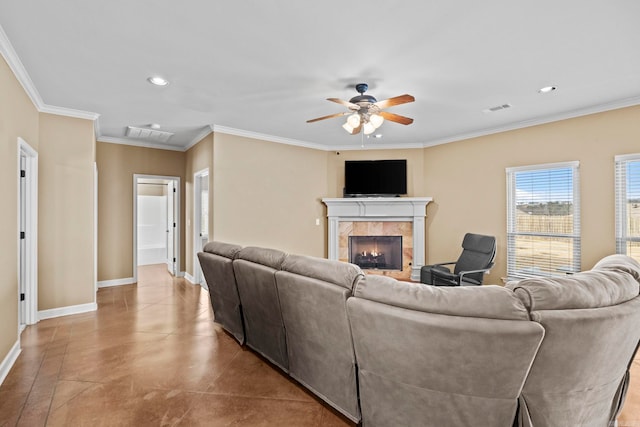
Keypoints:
(330, 116)
(396, 118)
(397, 100)
(347, 104)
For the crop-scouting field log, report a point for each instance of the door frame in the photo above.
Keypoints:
(197, 222)
(31, 234)
(176, 246)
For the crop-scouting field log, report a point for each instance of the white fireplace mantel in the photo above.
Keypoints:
(411, 209)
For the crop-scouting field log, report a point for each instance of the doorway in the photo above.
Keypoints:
(200, 221)
(27, 235)
(156, 222)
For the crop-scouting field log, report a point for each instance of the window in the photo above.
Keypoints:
(628, 205)
(543, 220)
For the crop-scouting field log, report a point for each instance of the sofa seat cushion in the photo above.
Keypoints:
(490, 302)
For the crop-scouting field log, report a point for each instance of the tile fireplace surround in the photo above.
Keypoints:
(376, 211)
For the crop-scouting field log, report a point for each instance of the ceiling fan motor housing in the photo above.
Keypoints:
(367, 99)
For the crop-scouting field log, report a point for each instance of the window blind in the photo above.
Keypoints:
(543, 220)
(627, 190)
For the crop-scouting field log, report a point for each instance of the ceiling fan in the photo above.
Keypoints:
(365, 112)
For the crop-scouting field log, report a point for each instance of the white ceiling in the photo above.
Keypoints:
(263, 67)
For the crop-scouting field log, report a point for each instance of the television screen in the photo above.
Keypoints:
(375, 177)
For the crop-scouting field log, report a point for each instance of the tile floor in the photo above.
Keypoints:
(151, 355)
(630, 415)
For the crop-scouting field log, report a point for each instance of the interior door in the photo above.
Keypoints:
(202, 221)
(22, 309)
(171, 228)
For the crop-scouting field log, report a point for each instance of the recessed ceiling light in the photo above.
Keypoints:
(154, 126)
(547, 89)
(158, 81)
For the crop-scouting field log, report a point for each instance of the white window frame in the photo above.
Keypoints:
(511, 218)
(621, 163)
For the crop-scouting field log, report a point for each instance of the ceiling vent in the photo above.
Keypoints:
(148, 134)
(496, 108)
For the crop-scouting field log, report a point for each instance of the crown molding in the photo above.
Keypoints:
(10, 55)
(69, 112)
(14, 62)
(271, 138)
(199, 137)
(580, 112)
(373, 145)
(138, 143)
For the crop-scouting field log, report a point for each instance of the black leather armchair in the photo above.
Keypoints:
(476, 259)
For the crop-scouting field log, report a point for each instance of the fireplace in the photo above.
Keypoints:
(379, 216)
(376, 252)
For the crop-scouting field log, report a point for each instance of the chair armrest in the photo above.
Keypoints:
(444, 263)
(463, 273)
(484, 270)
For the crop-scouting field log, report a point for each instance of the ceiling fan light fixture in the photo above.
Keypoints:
(376, 120)
(354, 120)
(348, 127)
(368, 128)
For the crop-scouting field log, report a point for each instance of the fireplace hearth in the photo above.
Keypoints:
(376, 252)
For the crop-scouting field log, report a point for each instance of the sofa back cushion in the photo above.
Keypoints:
(588, 289)
(226, 250)
(591, 321)
(436, 356)
(216, 263)
(255, 270)
(492, 302)
(337, 273)
(313, 294)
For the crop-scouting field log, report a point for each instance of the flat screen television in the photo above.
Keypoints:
(375, 178)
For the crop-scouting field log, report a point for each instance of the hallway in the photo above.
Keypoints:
(150, 356)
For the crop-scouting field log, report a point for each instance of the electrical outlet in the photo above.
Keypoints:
(317, 221)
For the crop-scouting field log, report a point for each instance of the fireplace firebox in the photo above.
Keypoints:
(376, 252)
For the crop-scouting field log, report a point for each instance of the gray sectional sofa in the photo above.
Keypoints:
(535, 353)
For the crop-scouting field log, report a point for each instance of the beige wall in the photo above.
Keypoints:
(152, 190)
(415, 168)
(65, 212)
(467, 181)
(269, 194)
(116, 166)
(18, 118)
(198, 158)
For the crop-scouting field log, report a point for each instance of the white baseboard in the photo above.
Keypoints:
(66, 311)
(9, 360)
(190, 278)
(116, 282)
